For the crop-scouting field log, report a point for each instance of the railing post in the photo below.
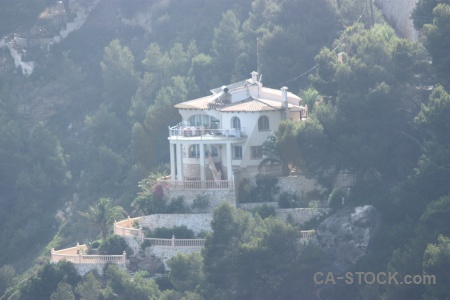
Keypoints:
(173, 241)
(124, 257)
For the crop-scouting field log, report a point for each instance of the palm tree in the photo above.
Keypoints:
(103, 215)
(310, 98)
(271, 154)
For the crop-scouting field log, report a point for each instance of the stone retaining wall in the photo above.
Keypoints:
(195, 222)
(301, 215)
(251, 206)
(165, 253)
(216, 197)
(299, 184)
(83, 269)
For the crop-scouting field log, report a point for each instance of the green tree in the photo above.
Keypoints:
(48, 279)
(230, 228)
(7, 278)
(186, 271)
(433, 167)
(368, 111)
(161, 115)
(436, 262)
(63, 292)
(423, 12)
(437, 39)
(296, 28)
(120, 80)
(125, 287)
(103, 214)
(226, 47)
(90, 288)
(272, 264)
(309, 98)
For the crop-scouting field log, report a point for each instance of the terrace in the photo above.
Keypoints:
(194, 133)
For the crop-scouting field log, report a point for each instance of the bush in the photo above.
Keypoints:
(180, 232)
(244, 189)
(335, 199)
(200, 203)
(114, 245)
(264, 191)
(177, 205)
(264, 211)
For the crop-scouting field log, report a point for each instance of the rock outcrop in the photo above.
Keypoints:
(345, 236)
(398, 14)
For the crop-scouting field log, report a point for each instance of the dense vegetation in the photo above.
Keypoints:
(91, 122)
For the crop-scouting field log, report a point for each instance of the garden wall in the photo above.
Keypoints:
(195, 222)
(216, 197)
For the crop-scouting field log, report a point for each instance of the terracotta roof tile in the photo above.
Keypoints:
(200, 103)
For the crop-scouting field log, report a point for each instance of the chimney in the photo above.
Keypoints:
(284, 102)
(254, 77)
(284, 95)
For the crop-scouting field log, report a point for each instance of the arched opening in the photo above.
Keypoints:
(235, 123)
(263, 123)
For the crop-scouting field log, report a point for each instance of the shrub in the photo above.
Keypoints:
(264, 211)
(114, 245)
(335, 199)
(244, 189)
(200, 203)
(177, 205)
(180, 232)
(264, 191)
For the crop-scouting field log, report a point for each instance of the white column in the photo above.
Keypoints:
(179, 163)
(229, 166)
(172, 163)
(202, 162)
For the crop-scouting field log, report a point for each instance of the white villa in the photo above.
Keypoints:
(219, 140)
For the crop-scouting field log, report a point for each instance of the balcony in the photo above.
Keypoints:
(196, 184)
(196, 133)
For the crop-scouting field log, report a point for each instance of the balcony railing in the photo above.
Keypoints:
(177, 243)
(200, 132)
(196, 184)
(77, 255)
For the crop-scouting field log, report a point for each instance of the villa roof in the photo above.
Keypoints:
(267, 99)
(200, 103)
(247, 105)
(252, 105)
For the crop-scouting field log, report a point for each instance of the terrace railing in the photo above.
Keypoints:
(196, 184)
(177, 243)
(126, 228)
(77, 255)
(205, 133)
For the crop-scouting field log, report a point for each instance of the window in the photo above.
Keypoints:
(263, 123)
(235, 123)
(256, 152)
(237, 153)
(194, 151)
(203, 120)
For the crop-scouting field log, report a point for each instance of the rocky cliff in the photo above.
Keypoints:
(345, 236)
(398, 15)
